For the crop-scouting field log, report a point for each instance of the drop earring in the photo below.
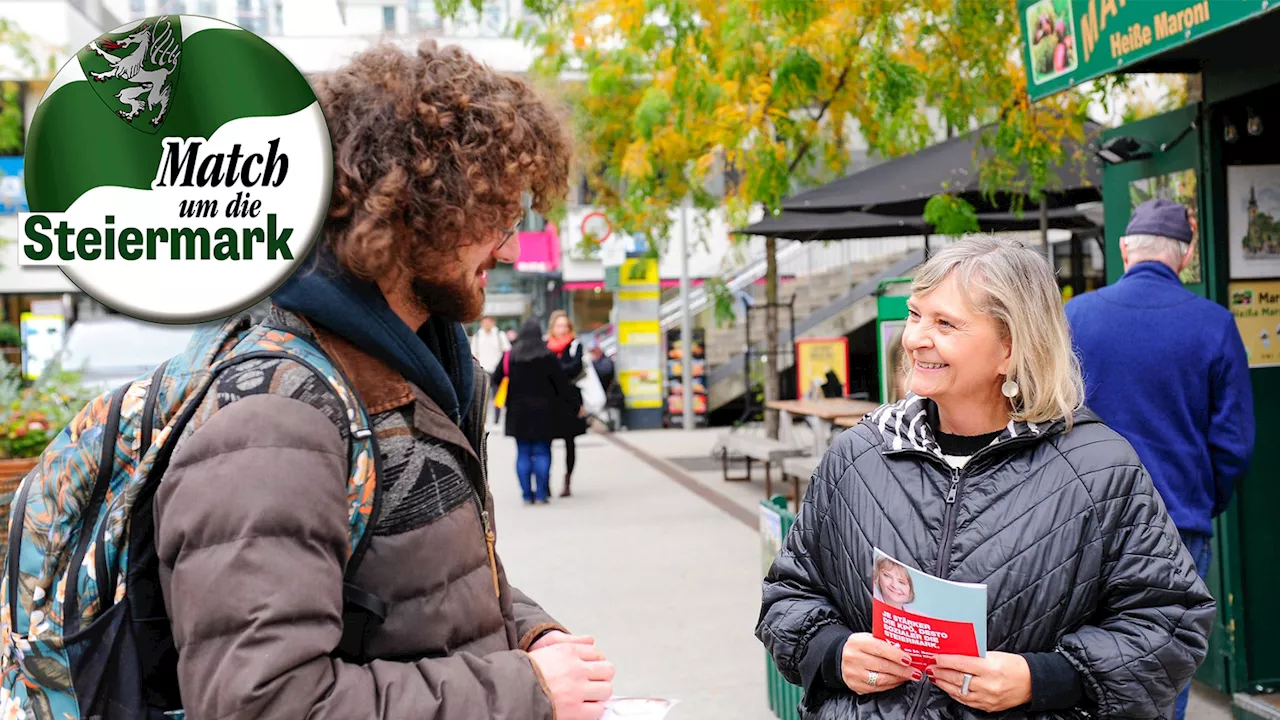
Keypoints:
(1009, 389)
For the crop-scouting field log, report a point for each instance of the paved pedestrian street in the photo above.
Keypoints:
(667, 583)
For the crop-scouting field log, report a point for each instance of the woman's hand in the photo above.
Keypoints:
(863, 655)
(1000, 680)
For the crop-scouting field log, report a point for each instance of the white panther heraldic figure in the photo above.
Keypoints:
(147, 69)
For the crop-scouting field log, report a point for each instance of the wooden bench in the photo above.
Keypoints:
(798, 469)
(751, 448)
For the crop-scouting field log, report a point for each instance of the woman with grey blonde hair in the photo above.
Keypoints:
(989, 471)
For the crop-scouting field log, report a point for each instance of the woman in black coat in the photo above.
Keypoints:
(989, 471)
(540, 401)
(565, 346)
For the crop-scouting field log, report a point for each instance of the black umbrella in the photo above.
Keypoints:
(903, 185)
(857, 225)
(835, 226)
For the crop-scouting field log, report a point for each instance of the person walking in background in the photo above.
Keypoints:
(607, 373)
(1167, 369)
(603, 366)
(540, 404)
(564, 344)
(488, 346)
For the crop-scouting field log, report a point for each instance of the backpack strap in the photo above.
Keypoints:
(101, 483)
(107, 579)
(97, 497)
(362, 445)
(361, 610)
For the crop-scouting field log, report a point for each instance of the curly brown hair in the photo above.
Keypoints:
(432, 151)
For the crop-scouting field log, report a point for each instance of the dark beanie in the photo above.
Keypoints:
(1162, 218)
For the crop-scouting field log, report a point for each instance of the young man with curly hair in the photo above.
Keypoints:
(432, 155)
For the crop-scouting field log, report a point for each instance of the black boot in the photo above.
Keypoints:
(565, 492)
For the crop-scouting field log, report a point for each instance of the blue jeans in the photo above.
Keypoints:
(1201, 549)
(533, 461)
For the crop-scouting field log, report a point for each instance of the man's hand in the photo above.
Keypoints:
(555, 637)
(1000, 680)
(863, 654)
(579, 678)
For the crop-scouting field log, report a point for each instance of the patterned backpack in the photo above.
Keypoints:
(83, 627)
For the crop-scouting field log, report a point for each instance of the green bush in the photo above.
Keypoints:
(9, 335)
(31, 416)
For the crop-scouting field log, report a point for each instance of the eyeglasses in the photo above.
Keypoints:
(509, 233)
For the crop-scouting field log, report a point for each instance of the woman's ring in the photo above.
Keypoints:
(873, 678)
(964, 688)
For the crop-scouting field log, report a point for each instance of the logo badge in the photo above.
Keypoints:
(196, 222)
(135, 71)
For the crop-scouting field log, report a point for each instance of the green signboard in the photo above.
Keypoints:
(1070, 41)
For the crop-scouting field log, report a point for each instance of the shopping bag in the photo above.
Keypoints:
(593, 397)
(500, 397)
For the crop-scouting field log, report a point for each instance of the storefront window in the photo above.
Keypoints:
(423, 16)
(590, 308)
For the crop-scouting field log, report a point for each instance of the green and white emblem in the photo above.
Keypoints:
(176, 201)
(134, 72)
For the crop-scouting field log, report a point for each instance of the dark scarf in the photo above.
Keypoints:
(359, 313)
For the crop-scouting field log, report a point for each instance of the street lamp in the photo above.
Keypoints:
(1123, 149)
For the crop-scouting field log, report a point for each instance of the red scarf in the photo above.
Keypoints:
(558, 345)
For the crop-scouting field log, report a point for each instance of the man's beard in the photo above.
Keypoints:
(453, 296)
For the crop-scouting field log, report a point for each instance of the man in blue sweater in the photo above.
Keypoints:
(1167, 370)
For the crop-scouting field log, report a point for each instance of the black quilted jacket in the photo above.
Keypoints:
(1064, 527)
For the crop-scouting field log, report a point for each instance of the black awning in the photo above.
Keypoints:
(903, 185)
(857, 225)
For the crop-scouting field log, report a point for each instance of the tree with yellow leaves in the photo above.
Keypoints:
(672, 91)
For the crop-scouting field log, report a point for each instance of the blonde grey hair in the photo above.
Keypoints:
(1155, 247)
(1015, 285)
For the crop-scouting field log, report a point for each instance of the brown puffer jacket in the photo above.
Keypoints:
(251, 530)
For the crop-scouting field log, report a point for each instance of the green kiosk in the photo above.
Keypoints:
(1221, 156)
(891, 319)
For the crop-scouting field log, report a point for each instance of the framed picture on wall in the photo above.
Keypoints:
(1253, 221)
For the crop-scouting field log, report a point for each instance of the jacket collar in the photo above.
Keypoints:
(435, 357)
(379, 386)
(908, 425)
(1153, 269)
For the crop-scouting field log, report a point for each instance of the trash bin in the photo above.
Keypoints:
(775, 521)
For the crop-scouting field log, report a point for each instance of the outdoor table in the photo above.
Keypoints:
(825, 410)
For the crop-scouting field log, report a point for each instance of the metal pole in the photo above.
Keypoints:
(746, 364)
(686, 317)
(1044, 229)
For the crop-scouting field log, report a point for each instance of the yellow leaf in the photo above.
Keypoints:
(635, 164)
(703, 166)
